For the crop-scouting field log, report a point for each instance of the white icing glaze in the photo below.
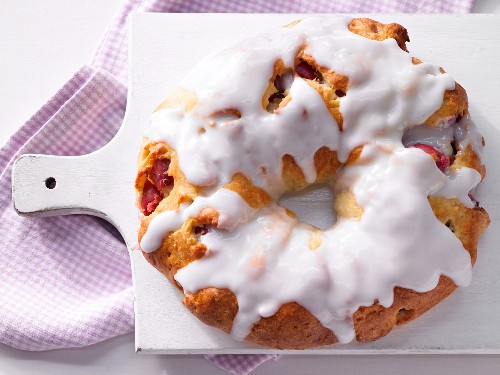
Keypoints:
(232, 209)
(440, 138)
(386, 94)
(160, 226)
(459, 183)
(264, 257)
(466, 133)
(267, 262)
(258, 139)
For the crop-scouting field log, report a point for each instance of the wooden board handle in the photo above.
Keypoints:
(96, 184)
(59, 185)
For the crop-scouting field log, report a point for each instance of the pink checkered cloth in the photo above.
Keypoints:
(66, 281)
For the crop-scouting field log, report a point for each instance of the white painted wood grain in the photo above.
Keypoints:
(98, 184)
(164, 47)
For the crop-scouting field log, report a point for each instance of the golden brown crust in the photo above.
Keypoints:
(468, 158)
(281, 331)
(179, 98)
(278, 331)
(371, 323)
(455, 104)
(293, 327)
(468, 224)
(371, 29)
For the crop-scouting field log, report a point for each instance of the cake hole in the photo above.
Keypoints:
(403, 316)
(50, 183)
(226, 116)
(450, 226)
(313, 205)
(274, 102)
(340, 93)
(307, 71)
(201, 230)
(284, 82)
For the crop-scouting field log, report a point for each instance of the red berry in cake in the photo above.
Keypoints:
(442, 161)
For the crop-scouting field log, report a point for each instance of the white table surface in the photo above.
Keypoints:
(37, 55)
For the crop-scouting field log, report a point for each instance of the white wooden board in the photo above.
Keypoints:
(163, 48)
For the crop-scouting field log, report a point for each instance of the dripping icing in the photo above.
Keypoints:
(400, 95)
(266, 262)
(232, 209)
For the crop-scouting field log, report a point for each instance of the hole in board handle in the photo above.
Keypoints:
(50, 183)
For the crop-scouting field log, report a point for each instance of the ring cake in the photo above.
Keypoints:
(329, 100)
